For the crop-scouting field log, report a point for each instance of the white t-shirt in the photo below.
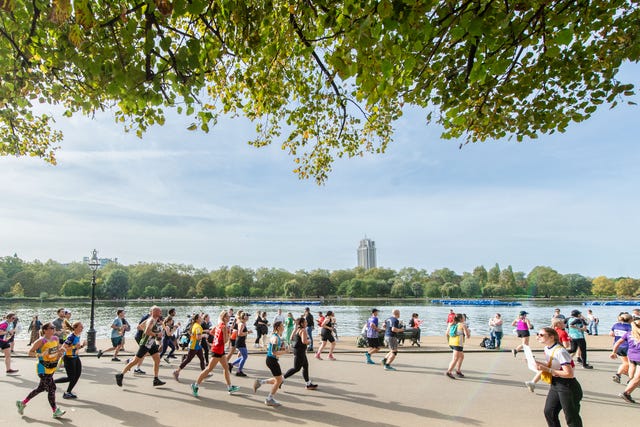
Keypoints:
(560, 356)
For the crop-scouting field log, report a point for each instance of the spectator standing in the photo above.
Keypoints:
(34, 329)
(310, 326)
(592, 328)
(495, 331)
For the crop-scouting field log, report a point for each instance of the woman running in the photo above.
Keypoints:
(633, 354)
(300, 339)
(326, 333)
(457, 333)
(72, 362)
(48, 351)
(565, 392)
(523, 325)
(195, 347)
(618, 330)
(241, 343)
(220, 338)
(275, 348)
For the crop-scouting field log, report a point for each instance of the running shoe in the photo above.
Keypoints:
(100, 353)
(370, 362)
(230, 368)
(627, 397)
(115, 359)
(232, 389)
(579, 359)
(530, 385)
(139, 371)
(158, 382)
(311, 386)
(58, 413)
(331, 357)
(119, 378)
(459, 374)
(20, 406)
(616, 379)
(389, 368)
(194, 389)
(240, 374)
(12, 371)
(176, 375)
(256, 385)
(270, 401)
(450, 375)
(318, 356)
(515, 352)
(66, 395)
(166, 359)
(587, 366)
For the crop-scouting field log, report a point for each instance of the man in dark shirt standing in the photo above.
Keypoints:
(309, 318)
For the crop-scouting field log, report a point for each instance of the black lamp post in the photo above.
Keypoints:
(94, 263)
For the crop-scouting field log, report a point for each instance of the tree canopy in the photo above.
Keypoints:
(324, 79)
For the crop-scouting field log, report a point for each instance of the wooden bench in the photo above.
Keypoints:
(412, 334)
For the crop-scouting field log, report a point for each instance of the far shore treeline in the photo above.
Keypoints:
(51, 279)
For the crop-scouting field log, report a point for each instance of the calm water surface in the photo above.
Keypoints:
(350, 316)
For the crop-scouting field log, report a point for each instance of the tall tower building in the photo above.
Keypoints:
(367, 254)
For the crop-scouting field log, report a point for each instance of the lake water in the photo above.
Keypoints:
(350, 316)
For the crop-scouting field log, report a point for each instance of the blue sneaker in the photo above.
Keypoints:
(194, 389)
(232, 389)
(389, 368)
(370, 362)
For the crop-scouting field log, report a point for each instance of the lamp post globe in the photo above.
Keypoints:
(94, 264)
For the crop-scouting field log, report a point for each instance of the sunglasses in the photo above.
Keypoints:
(542, 335)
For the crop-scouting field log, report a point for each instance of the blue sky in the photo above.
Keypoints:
(569, 201)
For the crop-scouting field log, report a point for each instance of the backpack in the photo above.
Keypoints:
(452, 335)
(486, 343)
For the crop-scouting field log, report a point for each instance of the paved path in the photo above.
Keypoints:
(351, 393)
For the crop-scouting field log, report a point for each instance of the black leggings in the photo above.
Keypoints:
(168, 342)
(190, 355)
(579, 343)
(564, 394)
(73, 366)
(46, 384)
(299, 362)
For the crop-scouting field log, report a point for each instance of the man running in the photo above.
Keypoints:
(373, 336)
(391, 335)
(149, 343)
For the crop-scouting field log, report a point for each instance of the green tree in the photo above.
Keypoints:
(117, 284)
(493, 276)
(75, 288)
(169, 291)
(400, 289)
(323, 80)
(292, 289)
(481, 274)
(507, 281)
(547, 282)
(206, 287)
(603, 287)
(470, 286)
(578, 284)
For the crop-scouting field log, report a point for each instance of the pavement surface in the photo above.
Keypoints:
(350, 393)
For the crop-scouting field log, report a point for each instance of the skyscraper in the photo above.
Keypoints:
(367, 254)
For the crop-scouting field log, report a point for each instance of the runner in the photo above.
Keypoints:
(457, 333)
(633, 353)
(195, 347)
(149, 343)
(618, 330)
(241, 343)
(523, 325)
(72, 362)
(300, 339)
(220, 338)
(48, 351)
(233, 334)
(275, 348)
(373, 336)
(6, 333)
(117, 331)
(326, 333)
(392, 329)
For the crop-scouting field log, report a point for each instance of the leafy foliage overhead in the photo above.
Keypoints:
(324, 79)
